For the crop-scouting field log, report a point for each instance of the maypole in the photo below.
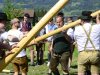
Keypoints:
(53, 11)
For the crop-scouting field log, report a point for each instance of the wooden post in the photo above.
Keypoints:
(95, 13)
(53, 11)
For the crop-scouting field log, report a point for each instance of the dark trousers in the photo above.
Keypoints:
(62, 59)
(40, 52)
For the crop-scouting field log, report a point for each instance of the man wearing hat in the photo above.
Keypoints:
(3, 35)
(87, 36)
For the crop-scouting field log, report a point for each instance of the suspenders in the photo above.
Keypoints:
(88, 38)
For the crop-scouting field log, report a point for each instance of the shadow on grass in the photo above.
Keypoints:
(45, 60)
(73, 73)
(74, 66)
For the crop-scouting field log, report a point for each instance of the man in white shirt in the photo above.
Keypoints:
(87, 37)
(20, 63)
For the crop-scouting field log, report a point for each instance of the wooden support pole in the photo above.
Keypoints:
(53, 11)
(95, 13)
(65, 27)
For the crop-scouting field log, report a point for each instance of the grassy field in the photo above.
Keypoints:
(43, 69)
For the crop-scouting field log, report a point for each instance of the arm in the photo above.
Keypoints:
(7, 47)
(98, 19)
(4, 46)
(68, 38)
(51, 46)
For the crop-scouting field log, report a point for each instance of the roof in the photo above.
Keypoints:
(29, 11)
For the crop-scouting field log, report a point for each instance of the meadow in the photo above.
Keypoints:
(43, 69)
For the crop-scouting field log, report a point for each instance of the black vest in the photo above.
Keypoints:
(60, 43)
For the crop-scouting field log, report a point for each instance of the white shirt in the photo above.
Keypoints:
(81, 37)
(18, 35)
(70, 32)
(3, 37)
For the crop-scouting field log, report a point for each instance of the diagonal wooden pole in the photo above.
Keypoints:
(65, 27)
(95, 13)
(59, 5)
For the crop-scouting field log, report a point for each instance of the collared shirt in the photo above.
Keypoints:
(42, 32)
(49, 28)
(81, 37)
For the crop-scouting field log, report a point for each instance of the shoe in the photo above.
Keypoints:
(41, 62)
(38, 63)
(65, 74)
(49, 73)
(48, 63)
(32, 64)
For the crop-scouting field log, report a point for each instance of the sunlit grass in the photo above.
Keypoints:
(43, 69)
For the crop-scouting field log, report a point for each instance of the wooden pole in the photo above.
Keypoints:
(53, 11)
(65, 27)
(95, 13)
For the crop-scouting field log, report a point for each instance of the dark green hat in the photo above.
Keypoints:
(86, 15)
(3, 16)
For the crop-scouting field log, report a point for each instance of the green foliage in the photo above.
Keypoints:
(11, 11)
(74, 7)
(40, 12)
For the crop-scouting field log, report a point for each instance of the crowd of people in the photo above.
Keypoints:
(85, 37)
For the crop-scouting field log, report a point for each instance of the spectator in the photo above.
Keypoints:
(40, 47)
(50, 27)
(25, 27)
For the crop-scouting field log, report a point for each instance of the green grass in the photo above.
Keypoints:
(43, 69)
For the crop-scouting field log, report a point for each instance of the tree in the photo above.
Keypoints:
(11, 10)
(40, 12)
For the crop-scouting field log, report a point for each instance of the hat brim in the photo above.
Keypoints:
(85, 17)
(4, 19)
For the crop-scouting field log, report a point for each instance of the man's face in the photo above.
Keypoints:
(59, 21)
(16, 24)
(2, 25)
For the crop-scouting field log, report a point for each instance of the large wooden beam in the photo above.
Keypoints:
(53, 11)
(95, 13)
(65, 27)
